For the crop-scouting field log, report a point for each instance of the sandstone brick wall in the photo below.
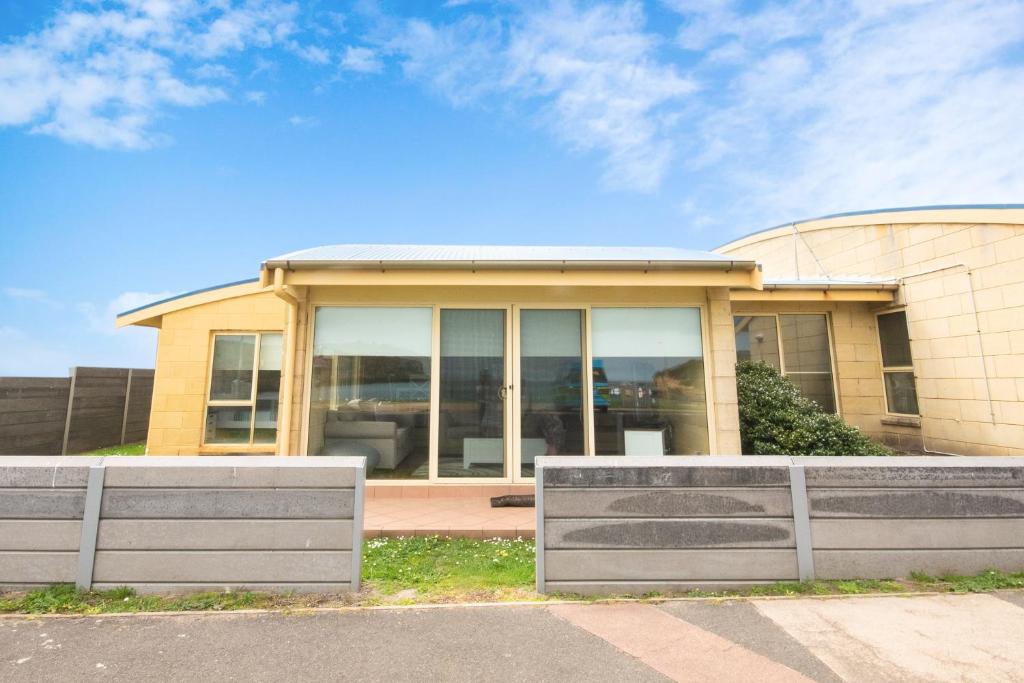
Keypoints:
(183, 363)
(721, 363)
(963, 287)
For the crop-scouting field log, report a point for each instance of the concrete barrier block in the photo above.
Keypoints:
(44, 471)
(668, 533)
(913, 472)
(230, 472)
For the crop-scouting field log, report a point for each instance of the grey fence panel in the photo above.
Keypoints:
(629, 525)
(182, 524)
(109, 406)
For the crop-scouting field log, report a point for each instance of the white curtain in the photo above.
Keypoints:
(646, 333)
(367, 331)
(550, 333)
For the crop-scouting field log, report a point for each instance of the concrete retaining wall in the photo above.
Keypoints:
(635, 525)
(182, 524)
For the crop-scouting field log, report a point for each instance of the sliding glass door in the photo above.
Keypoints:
(473, 394)
(552, 386)
(448, 393)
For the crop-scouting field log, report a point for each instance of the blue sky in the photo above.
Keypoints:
(151, 147)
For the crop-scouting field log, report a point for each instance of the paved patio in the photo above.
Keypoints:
(458, 511)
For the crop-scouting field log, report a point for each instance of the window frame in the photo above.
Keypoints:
(782, 347)
(240, 403)
(896, 368)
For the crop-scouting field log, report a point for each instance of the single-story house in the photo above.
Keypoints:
(461, 364)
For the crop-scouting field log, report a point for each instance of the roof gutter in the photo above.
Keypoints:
(723, 264)
(827, 286)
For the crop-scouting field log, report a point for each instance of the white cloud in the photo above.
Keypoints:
(361, 60)
(101, 74)
(594, 73)
(302, 121)
(213, 72)
(311, 53)
(839, 106)
(33, 295)
(255, 96)
(104, 319)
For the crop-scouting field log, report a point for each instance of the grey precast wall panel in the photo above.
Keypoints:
(37, 568)
(668, 533)
(925, 534)
(180, 524)
(913, 472)
(661, 502)
(917, 503)
(666, 476)
(229, 567)
(888, 564)
(620, 525)
(670, 565)
(224, 534)
(42, 503)
(226, 472)
(156, 503)
(40, 534)
(169, 588)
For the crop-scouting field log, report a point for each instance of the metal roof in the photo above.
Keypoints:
(187, 294)
(826, 283)
(868, 212)
(456, 256)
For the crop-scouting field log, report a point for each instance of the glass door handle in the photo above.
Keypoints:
(503, 392)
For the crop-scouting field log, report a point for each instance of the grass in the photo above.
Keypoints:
(126, 449)
(434, 569)
(400, 571)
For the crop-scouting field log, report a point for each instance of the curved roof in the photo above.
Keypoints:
(941, 213)
(476, 256)
(147, 313)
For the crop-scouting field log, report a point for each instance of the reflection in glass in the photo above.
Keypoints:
(551, 385)
(757, 339)
(471, 439)
(228, 424)
(268, 389)
(370, 391)
(649, 392)
(231, 375)
(892, 330)
(808, 357)
(901, 393)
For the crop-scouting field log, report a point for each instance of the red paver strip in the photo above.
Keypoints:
(673, 647)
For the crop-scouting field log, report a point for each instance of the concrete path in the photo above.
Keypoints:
(938, 638)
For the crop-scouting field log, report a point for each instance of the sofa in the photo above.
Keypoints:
(389, 434)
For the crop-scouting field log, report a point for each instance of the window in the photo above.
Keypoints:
(370, 392)
(897, 364)
(245, 382)
(649, 394)
(797, 345)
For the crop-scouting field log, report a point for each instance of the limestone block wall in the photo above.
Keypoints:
(961, 280)
(857, 361)
(722, 367)
(182, 524)
(609, 525)
(183, 365)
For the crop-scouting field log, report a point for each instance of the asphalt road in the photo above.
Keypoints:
(885, 638)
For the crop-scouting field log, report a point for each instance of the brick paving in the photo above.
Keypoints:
(463, 512)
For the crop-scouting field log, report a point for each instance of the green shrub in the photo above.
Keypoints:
(776, 419)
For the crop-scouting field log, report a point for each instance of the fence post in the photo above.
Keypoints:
(359, 502)
(538, 534)
(127, 400)
(71, 405)
(90, 526)
(801, 522)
